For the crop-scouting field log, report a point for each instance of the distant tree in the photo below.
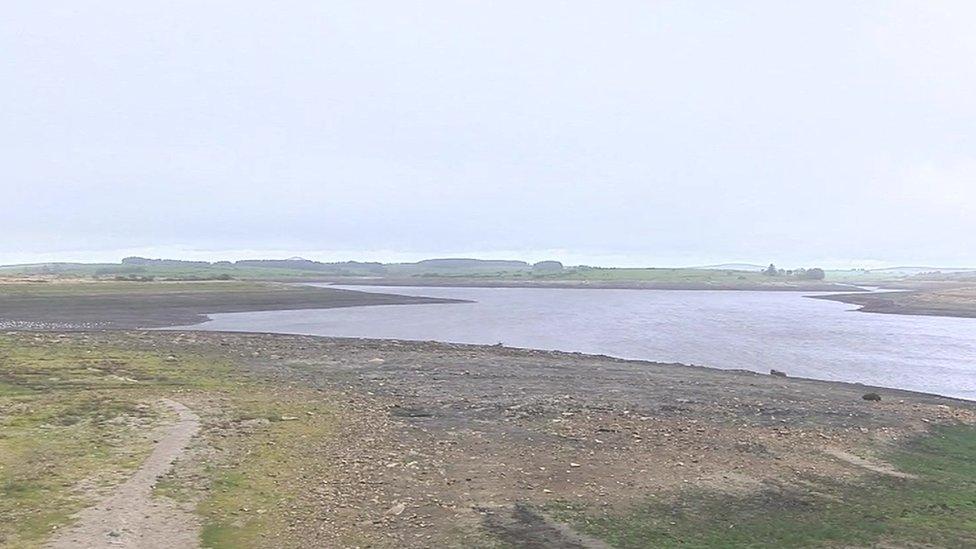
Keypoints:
(136, 260)
(771, 270)
(547, 267)
(815, 273)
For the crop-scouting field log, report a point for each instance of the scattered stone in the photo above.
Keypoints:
(777, 373)
(873, 397)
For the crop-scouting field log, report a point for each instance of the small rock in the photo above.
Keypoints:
(777, 373)
(873, 397)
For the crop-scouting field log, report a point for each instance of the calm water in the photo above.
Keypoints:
(746, 330)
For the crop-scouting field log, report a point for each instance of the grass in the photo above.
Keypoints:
(938, 509)
(474, 271)
(176, 272)
(62, 421)
(75, 287)
(254, 497)
(76, 414)
(667, 276)
(663, 275)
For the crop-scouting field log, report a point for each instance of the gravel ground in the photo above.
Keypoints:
(445, 444)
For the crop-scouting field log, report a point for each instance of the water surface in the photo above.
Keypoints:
(722, 329)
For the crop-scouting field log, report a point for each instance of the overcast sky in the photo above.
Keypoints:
(628, 133)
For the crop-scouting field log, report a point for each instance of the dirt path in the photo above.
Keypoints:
(130, 517)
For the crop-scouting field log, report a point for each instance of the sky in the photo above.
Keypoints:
(626, 133)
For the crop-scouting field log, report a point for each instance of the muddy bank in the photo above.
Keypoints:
(129, 305)
(955, 302)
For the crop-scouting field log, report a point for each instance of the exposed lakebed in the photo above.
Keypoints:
(723, 329)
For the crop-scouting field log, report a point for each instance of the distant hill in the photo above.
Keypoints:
(146, 262)
(465, 264)
(300, 264)
(456, 268)
(911, 271)
(732, 267)
(272, 268)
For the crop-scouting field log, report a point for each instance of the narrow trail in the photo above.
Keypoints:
(130, 517)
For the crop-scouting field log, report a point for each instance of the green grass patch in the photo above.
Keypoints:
(73, 413)
(51, 442)
(937, 509)
(274, 461)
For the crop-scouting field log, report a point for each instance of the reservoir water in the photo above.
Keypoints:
(723, 329)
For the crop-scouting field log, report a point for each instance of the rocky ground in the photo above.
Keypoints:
(411, 444)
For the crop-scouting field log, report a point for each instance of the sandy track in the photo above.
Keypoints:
(130, 517)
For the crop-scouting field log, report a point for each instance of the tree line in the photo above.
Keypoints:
(815, 273)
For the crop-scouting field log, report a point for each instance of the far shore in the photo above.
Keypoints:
(137, 305)
(474, 282)
(954, 302)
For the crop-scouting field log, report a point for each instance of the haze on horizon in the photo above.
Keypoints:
(624, 133)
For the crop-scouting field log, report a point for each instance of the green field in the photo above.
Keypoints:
(474, 270)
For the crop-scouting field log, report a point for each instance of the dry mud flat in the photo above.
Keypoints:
(125, 305)
(441, 445)
(953, 301)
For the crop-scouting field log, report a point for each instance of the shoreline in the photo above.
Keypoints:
(957, 303)
(501, 351)
(387, 442)
(440, 282)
